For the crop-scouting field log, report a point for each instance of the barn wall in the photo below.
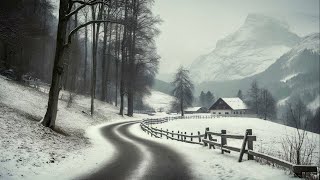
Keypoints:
(222, 112)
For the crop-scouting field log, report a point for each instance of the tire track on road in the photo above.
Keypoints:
(166, 164)
(125, 161)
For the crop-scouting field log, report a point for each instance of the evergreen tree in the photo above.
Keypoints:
(202, 98)
(254, 97)
(240, 95)
(183, 88)
(209, 99)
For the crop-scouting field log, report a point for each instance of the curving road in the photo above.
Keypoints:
(166, 163)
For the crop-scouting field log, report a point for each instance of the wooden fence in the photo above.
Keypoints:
(207, 140)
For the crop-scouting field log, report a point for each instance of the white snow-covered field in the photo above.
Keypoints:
(30, 151)
(208, 164)
(270, 136)
(158, 100)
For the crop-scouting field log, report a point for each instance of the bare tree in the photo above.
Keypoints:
(65, 12)
(267, 105)
(298, 148)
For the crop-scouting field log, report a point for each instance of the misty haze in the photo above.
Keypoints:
(159, 89)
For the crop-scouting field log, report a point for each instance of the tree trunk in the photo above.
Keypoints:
(95, 40)
(75, 60)
(132, 68)
(104, 59)
(117, 52)
(122, 72)
(109, 61)
(51, 114)
(181, 107)
(94, 63)
(123, 56)
(85, 55)
(67, 63)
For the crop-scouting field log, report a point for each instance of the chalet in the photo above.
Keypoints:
(193, 110)
(229, 106)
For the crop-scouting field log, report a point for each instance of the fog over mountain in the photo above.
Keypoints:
(294, 74)
(259, 42)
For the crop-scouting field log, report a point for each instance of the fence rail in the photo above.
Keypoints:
(206, 139)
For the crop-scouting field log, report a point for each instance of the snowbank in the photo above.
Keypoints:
(270, 136)
(207, 164)
(31, 151)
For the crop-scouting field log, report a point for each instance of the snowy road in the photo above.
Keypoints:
(132, 157)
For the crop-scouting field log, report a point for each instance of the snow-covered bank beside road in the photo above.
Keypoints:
(208, 164)
(30, 151)
(27, 147)
(270, 135)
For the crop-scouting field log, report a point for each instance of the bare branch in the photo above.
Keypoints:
(92, 22)
(84, 4)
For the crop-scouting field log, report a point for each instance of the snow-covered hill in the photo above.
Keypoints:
(252, 49)
(158, 101)
(270, 136)
(299, 70)
(30, 151)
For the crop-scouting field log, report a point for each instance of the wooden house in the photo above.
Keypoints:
(229, 106)
(193, 110)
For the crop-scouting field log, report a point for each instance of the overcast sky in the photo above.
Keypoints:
(191, 28)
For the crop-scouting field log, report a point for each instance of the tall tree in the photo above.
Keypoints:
(183, 89)
(240, 95)
(209, 99)
(50, 117)
(298, 116)
(64, 15)
(123, 59)
(268, 104)
(254, 97)
(202, 99)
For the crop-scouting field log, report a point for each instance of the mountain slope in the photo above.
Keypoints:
(295, 74)
(250, 50)
(162, 86)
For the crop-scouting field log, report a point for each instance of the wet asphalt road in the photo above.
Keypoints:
(166, 164)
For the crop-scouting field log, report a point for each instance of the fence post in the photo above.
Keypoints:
(161, 133)
(167, 134)
(205, 136)
(210, 138)
(178, 135)
(172, 134)
(191, 137)
(199, 136)
(185, 136)
(223, 140)
(181, 137)
(250, 144)
(243, 147)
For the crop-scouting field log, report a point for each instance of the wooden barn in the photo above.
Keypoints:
(193, 110)
(229, 106)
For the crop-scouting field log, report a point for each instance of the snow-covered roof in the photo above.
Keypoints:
(193, 108)
(235, 103)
